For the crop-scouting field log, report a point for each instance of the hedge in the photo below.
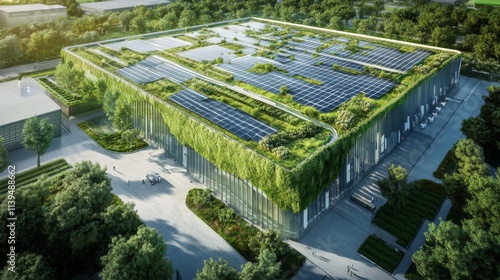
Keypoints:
(293, 188)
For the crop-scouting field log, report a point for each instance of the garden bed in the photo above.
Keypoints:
(114, 141)
(27, 177)
(236, 231)
(424, 202)
(379, 252)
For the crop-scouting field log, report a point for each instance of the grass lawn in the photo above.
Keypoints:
(424, 202)
(488, 2)
(236, 231)
(101, 131)
(380, 253)
(29, 176)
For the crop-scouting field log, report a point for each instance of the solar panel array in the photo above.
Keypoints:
(209, 53)
(152, 69)
(381, 56)
(143, 46)
(337, 87)
(233, 120)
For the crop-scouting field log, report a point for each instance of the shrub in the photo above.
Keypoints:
(281, 152)
(310, 111)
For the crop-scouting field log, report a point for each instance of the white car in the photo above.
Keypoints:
(153, 177)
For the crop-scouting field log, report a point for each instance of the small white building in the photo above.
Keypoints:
(31, 13)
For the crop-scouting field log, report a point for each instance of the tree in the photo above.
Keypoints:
(395, 187)
(269, 240)
(38, 136)
(68, 77)
(187, 18)
(29, 266)
(10, 50)
(213, 270)
(3, 156)
(72, 217)
(485, 128)
(139, 24)
(470, 161)
(139, 257)
(130, 135)
(483, 206)
(451, 252)
(267, 267)
(443, 36)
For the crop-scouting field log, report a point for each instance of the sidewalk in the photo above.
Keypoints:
(337, 236)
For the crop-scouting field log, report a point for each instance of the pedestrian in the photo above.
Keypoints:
(314, 253)
(114, 168)
(143, 181)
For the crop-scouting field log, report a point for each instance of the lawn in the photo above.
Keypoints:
(236, 231)
(27, 177)
(488, 2)
(424, 203)
(103, 133)
(381, 253)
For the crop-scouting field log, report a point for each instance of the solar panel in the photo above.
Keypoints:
(209, 53)
(233, 120)
(337, 87)
(152, 69)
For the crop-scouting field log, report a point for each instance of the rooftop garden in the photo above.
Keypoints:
(293, 165)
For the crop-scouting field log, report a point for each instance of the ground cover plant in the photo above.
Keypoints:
(424, 201)
(29, 176)
(381, 253)
(113, 141)
(238, 233)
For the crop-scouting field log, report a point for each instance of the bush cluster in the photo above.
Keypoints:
(282, 137)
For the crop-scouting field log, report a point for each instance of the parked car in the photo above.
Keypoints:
(153, 177)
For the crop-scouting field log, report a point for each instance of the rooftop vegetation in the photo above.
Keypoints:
(291, 166)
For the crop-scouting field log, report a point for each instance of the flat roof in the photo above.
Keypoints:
(120, 4)
(29, 8)
(18, 103)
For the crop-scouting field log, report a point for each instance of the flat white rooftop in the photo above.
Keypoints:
(119, 5)
(22, 101)
(29, 8)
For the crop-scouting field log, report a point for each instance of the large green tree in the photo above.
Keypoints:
(213, 270)
(38, 134)
(139, 257)
(395, 187)
(459, 253)
(470, 161)
(29, 267)
(267, 268)
(485, 128)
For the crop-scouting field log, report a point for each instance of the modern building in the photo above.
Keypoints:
(119, 5)
(31, 13)
(198, 97)
(19, 101)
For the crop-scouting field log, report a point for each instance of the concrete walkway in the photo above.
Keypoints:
(162, 206)
(337, 236)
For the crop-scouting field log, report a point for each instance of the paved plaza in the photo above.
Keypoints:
(335, 238)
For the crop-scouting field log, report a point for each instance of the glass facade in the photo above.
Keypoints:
(249, 201)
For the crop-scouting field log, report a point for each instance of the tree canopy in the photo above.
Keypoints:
(76, 213)
(37, 136)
